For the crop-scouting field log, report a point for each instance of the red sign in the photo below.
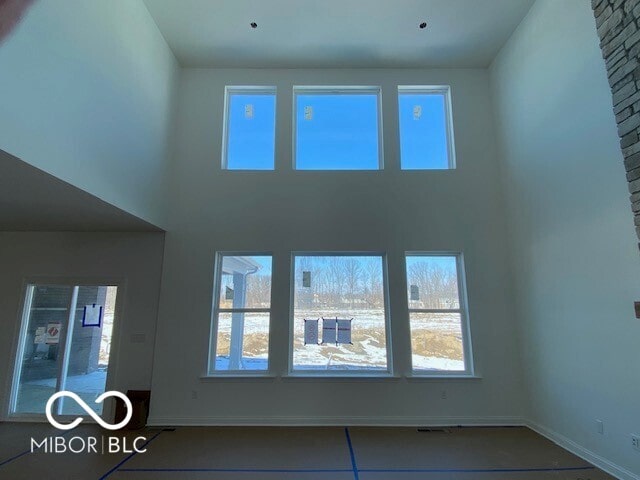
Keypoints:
(53, 333)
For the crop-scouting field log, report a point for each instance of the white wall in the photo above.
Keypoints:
(285, 210)
(575, 253)
(86, 95)
(135, 258)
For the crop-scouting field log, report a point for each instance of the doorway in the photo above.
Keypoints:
(64, 344)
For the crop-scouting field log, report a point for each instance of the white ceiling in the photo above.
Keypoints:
(33, 200)
(336, 33)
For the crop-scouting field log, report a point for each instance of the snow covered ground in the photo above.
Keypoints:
(368, 351)
(420, 362)
(34, 394)
(93, 382)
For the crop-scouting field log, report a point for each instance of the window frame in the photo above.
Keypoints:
(463, 310)
(293, 372)
(29, 282)
(444, 90)
(215, 314)
(336, 90)
(247, 90)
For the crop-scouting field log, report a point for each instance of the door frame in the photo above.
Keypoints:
(15, 363)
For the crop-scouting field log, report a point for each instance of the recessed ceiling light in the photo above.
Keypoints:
(423, 25)
(253, 25)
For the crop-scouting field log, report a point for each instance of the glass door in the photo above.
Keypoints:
(65, 344)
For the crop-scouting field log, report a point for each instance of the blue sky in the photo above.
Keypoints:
(251, 142)
(341, 135)
(423, 141)
(265, 262)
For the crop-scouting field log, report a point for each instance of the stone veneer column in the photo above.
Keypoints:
(617, 22)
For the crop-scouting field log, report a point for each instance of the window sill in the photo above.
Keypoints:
(337, 377)
(238, 376)
(338, 170)
(419, 377)
(248, 170)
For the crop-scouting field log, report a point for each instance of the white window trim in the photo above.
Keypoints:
(469, 368)
(336, 90)
(444, 90)
(300, 373)
(216, 310)
(247, 90)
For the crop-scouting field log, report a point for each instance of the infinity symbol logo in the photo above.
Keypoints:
(87, 408)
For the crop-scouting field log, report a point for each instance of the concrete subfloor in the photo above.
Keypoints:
(286, 453)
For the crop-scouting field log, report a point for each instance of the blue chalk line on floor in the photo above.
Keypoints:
(239, 470)
(14, 458)
(9, 460)
(354, 468)
(354, 465)
(473, 470)
(129, 457)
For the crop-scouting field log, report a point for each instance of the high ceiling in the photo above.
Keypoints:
(336, 33)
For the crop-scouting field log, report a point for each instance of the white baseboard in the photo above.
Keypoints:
(391, 421)
(585, 454)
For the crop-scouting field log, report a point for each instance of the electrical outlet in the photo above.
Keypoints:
(635, 442)
(194, 394)
(600, 427)
(443, 395)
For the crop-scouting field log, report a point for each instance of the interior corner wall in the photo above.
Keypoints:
(575, 260)
(86, 94)
(134, 258)
(282, 211)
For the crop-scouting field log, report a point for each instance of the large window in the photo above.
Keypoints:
(437, 314)
(339, 314)
(337, 128)
(249, 128)
(241, 313)
(426, 132)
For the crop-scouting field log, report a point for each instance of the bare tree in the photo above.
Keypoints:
(353, 274)
(322, 285)
(304, 297)
(373, 273)
(438, 286)
(336, 279)
(258, 291)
